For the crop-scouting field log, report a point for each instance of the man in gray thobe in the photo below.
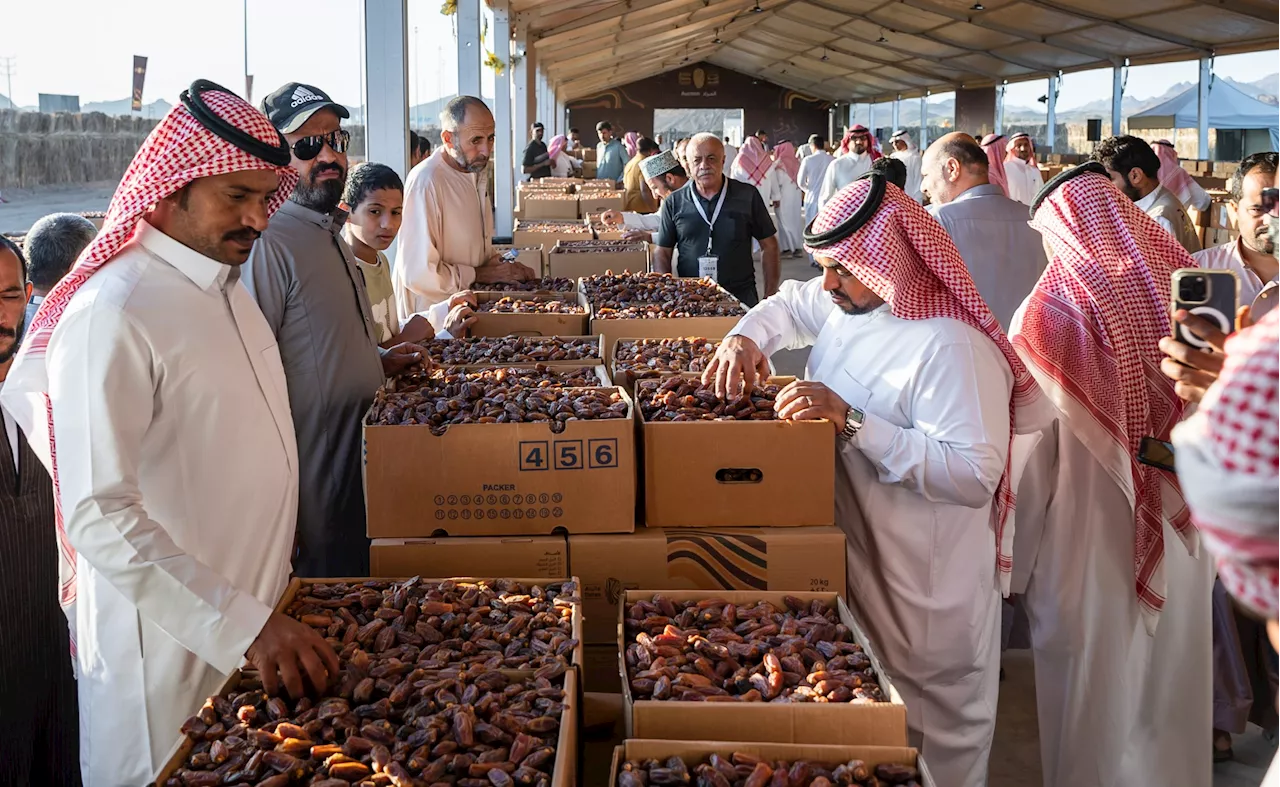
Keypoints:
(305, 279)
(1004, 255)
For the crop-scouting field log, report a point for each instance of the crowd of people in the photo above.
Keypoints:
(182, 394)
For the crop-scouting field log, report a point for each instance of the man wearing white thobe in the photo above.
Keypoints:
(1134, 168)
(853, 162)
(921, 402)
(176, 458)
(1117, 599)
(1021, 170)
(813, 168)
(906, 151)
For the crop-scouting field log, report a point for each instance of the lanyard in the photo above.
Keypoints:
(711, 222)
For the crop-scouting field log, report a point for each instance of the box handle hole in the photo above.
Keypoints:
(739, 475)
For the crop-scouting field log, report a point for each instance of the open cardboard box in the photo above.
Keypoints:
(737, 473)
(627, 378)
(530, 324)
(537, 206)
(595, 360)
(660, 328)
(501, 479)
(599, 202)
(566, 768)
(697, 751)
(879, 724)
(510, 556)
(533, 256)
(731, 558)
(551, 230)
(578, 264)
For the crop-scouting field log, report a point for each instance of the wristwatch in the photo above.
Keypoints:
(852, 423)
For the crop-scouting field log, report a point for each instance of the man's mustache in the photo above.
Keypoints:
(248, 234)
(322, 168)
(9, 333)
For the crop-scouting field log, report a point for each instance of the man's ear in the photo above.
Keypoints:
(1135, 176)
(446, 138)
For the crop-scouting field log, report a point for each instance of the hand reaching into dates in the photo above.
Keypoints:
(461, 317)
(464, 298)
(807, 400)
(638, 235)
(736, 367)
(402, 356)
(611, 217)
(286, 650)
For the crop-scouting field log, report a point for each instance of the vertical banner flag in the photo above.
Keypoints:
(139, 75)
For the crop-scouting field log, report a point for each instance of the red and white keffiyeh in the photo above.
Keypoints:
(1009, 156)
(908, 260)
(1172, 176)
(785, 155)
(1089, 334)
(1228, 457)
(178, 151)
(631, 141)
(753, 160)
(873, 145)
(558, 143)
(996, 147)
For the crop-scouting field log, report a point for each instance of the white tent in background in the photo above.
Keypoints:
(1229, 110)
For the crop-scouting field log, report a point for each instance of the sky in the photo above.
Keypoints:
(319, 42)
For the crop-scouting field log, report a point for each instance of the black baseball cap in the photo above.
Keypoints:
(290, 106)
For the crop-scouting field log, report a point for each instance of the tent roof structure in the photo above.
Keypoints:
(871, 50)
(1229, 108)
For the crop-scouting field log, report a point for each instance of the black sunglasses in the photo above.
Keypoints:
(1270, 198)
(308, 148)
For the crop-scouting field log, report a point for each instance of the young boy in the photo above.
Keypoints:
(374, 201)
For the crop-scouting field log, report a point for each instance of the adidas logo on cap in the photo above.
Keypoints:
(301, 95)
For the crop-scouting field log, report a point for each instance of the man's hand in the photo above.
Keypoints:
(402, 356)
(461, 317)
(499, 271)
(806, 400)
(735, 367)
(523, 272)
(464, 298)
(1193, 370)
(613, 218)
(638, 235)
(285, 650)
(417, 329)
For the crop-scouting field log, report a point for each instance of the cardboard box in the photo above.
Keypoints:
(545, 232)
(774, 559)
(601, 732)
(500, 479)
(534, 256)
(589, 168)
(737, 473)
(879, 724)
(577, 264)
(546, 557)
(665, 328)
(536, 206)
(600, 663)
(1208, 182)
(627, 378)
(1217, 236)
(513, 324)
(1221, 217)
(599, 202)
(564, 774)
(585, 152)
(695, 751)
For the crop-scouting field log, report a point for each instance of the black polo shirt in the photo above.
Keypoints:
(743, 217)
(535, 149)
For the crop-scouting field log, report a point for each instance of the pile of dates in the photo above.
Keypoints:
(684, 399)
(740, 769)
(545, 284)
(657, 295)
(511, 349)
(497, 396)
(500, 624)
(509, 305)
(648, 357)
(553, 226)
(477, 728)
(714, 651)
(608, 246)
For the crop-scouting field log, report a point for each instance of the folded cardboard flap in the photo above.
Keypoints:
(880, 724)
(697, 751)
(524, 556)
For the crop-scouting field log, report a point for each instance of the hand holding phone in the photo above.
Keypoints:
(1204, 309)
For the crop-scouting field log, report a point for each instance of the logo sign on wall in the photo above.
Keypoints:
(699, 79)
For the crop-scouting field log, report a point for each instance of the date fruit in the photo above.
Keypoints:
(511, 349)
(738, 769)
(685, 399)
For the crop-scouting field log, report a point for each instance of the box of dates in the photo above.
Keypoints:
(361, 725)
(499, 451)
(709, 462)
(543, 205)
(684, 762)
(598, 201)
(573, 351)
(533, 256)
(545, 232)
(530, 314)
(578, 258)
(656, 306)
(806, 672)
(640, 359)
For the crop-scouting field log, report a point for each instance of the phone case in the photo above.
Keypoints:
(1218, 308)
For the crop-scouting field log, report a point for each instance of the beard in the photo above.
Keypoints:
(849, 307)
(320, 196)
(8, 344)
(1261, 241)
(470, 165)
(1131, 191)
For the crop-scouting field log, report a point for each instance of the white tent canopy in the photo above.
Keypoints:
(1229, 108)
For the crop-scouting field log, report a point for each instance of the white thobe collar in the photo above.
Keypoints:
(1146, 203)
(204, 272)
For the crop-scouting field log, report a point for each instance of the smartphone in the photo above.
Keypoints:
(1209, 294)
(1156, 453)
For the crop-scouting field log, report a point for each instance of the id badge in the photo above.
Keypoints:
(708, 267)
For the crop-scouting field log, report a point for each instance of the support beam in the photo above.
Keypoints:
(503, 145)
(520, 100)
(894, 115)
(1052, 118)
(999, 125)
(468, 18)
(871, 117)
(1202, 106)
(924, 122)
(1117, 98)
(386, 73)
